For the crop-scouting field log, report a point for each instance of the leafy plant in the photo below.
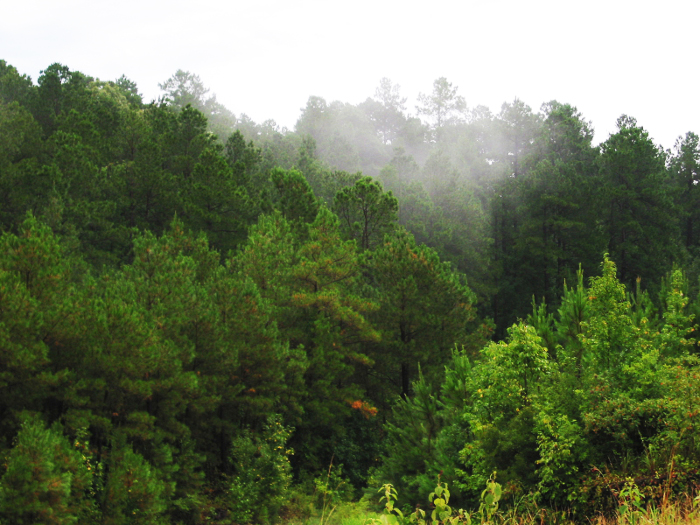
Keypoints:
(442, 513)
(490, 497)
(332, 490)
(262, 472)
(630, 498)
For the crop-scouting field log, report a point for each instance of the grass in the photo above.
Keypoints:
(681, 512)
(346, 513)
(333, 509)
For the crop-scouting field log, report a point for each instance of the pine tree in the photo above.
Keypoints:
(46, 480)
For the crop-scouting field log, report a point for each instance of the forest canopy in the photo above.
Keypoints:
(200, 313)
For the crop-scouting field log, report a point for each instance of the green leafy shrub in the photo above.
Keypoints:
(262, 473)
(441, 512)
(331, 489)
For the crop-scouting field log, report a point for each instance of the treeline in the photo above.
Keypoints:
(198, 312)
(518, 199)
(178, 315)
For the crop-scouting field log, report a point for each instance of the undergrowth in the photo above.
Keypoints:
(631, 510)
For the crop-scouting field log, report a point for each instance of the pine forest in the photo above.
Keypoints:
(401, 311)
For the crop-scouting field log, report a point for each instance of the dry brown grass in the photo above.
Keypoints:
(682, 511)
(679, 512)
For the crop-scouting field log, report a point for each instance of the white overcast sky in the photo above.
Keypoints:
(266, 57)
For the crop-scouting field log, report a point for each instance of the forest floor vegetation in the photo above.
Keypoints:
(684, 510)
(681, 512)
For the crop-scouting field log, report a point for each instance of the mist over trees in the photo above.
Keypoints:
(199, 313)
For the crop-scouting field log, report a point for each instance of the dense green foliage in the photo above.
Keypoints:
(565, 408)
(199, 314)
